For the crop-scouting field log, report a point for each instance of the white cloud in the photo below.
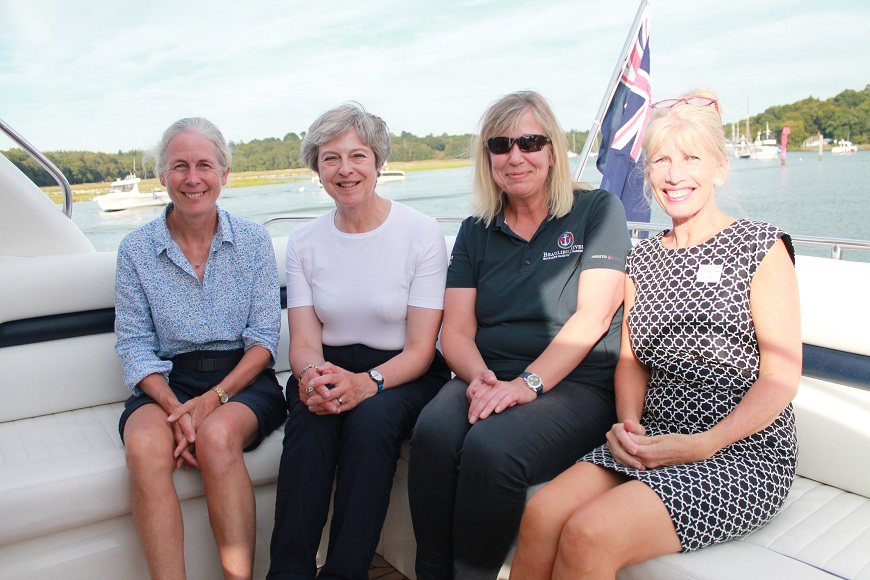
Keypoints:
(111, 75)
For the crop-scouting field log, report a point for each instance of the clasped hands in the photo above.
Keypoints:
(328, 389)
(185, 420)
(487, 395)
(630, 446)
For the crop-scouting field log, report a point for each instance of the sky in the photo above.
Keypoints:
(107, 76)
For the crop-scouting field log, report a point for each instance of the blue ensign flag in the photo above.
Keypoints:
(622, 130)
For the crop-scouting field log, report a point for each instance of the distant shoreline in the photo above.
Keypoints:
(85, 191)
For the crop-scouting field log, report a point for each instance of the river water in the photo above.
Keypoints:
(806, 197)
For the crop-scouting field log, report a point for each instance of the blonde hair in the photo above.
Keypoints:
(690, 127)
(487, 198)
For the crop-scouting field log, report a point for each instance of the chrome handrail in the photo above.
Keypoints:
(45, 163)
(446, 219)
(837, 245)
(637, 228)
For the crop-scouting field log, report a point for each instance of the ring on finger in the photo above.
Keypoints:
(339, 400)
(309, 389)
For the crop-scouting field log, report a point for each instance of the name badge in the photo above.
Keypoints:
(711, 273)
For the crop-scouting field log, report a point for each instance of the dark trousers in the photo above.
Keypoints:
(467, 484)
(357, 450)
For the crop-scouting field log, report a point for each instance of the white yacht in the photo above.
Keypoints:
(125, 194)
(844, 147)
(766, 148)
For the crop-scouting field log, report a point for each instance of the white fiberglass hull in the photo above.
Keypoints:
(118, 202)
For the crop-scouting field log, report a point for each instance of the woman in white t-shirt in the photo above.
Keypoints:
(365, 294)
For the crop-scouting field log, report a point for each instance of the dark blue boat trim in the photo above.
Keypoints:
(68, 325)
(837, 366)
(827, 364)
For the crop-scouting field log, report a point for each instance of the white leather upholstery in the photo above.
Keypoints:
(834, 311)
(30, 223)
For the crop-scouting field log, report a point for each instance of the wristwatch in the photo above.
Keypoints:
(221, 393)
(378, 378)
(534, 382)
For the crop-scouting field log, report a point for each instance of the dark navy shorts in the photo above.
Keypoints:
(264, 396)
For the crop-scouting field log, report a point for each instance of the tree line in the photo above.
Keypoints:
(255, 155)
(845, 116)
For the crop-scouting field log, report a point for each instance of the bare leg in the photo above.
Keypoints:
(228, 490)
(624, 525)
(149, 444)
(547, 512)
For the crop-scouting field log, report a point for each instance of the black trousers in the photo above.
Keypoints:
(358, 451)
(467, 483)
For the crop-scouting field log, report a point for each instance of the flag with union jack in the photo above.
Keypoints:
(622, 130)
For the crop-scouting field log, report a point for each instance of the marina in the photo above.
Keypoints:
(806, 197)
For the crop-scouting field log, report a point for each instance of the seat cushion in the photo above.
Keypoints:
(68, 469)
(820, 532)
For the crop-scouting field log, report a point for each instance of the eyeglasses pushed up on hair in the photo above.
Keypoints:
(527, 143)
(694, 101)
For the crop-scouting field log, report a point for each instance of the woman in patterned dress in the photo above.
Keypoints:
(197, 315)
(704, 449)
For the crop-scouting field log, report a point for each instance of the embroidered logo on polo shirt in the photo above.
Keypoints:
(566, 247)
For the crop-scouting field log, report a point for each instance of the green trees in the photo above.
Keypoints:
(80, 166)
(845, 116)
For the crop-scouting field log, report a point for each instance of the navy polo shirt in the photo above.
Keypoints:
(527, 290)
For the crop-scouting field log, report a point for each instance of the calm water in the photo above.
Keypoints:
(830, 198)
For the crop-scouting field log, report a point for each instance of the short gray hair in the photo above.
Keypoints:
(198, 125)
(372, 131)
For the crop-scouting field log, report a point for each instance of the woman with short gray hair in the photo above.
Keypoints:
(197, 316)
(365, 292)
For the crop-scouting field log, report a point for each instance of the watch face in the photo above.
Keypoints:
(534, 381)
(376, 375)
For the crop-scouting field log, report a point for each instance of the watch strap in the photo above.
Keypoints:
(378, 378)
(533, 382)
(222, 394)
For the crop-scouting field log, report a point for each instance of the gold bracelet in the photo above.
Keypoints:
(299, 379)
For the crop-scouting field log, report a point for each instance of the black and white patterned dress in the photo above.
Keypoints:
(692, 326)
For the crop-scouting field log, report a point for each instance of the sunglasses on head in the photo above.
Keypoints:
(694, 101)
(527, 143)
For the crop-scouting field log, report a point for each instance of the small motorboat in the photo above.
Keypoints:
(844, 147)
(124, 194)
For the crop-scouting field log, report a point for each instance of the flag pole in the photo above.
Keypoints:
(611, 88)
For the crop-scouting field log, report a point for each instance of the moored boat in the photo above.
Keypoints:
(390, 175)
(844, 147)
(124, 194)
(766, 148)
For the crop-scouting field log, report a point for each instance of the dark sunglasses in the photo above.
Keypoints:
(527, 143)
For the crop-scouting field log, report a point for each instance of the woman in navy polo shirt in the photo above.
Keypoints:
(531, 329)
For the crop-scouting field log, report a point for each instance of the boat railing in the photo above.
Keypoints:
(43, 162)
(637, 229)
(836, 245)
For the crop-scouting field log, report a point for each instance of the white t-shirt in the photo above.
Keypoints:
(362, 284)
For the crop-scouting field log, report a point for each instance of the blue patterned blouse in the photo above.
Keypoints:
(161, 309)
